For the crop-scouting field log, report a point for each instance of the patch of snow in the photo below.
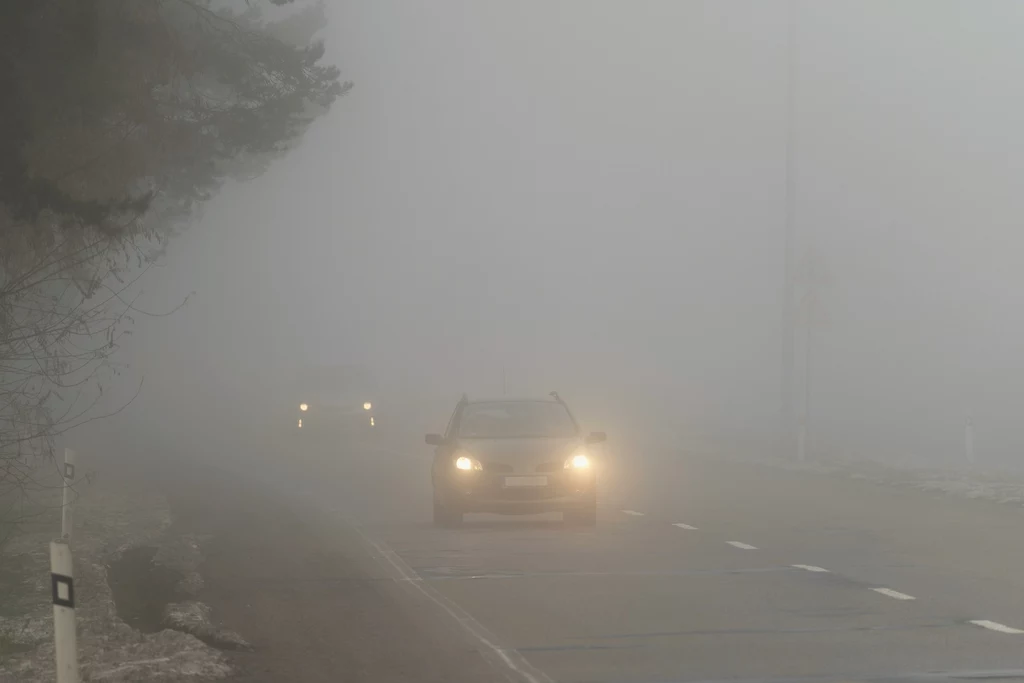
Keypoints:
(162, 657)
(1006, 488)
(194, 617)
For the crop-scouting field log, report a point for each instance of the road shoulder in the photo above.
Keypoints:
(304, 591)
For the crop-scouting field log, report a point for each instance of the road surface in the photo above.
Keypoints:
(698, 570)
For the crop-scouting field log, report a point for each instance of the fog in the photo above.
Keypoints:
(591, 197)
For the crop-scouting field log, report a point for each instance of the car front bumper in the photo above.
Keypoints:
(485, 492)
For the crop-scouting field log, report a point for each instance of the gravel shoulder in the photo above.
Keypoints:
(116, 517)
(304, 591)
(186, 571)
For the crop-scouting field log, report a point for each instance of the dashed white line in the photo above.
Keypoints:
(741, 546)
(996, 626)
(810, 568)
(684, 526)
(634, 513)
(894, 594)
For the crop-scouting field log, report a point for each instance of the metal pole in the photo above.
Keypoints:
(801, 442)
(789, 294)
(70, 458)
(65, 639)
(969, 440)
(808, 363)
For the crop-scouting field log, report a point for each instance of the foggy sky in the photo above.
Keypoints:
(592, 194)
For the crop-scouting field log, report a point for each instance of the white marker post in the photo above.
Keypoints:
(70, 458)
(63, 585)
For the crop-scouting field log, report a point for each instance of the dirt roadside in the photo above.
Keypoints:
(192, 571)
(117, 517)
(305, 593)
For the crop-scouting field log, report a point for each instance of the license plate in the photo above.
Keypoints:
(526, 481)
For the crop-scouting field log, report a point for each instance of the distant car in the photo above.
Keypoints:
(514, 457)
(334, 402)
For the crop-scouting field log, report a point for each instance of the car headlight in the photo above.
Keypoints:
(579, 461)
(367, 405)
(303, 407)
(465, 462)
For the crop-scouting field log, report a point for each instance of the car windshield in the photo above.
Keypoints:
(516, 419)
(334, 378)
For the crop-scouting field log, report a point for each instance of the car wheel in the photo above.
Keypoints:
(585, 516)
(443, 517)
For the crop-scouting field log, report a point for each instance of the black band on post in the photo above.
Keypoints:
(58, 580)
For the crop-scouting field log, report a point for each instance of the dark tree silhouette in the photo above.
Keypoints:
(118, 119)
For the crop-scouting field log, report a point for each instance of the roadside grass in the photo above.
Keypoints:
(10, 647)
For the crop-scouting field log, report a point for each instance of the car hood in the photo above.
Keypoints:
(521, 455)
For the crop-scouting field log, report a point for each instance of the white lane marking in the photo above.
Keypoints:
(684, 526)
(894, 594)
(634, 513)
(996, 626)
(741, 546)
(810, 568)
(509, 657)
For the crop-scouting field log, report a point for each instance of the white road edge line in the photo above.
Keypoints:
(741, 546)
(996, 626)
(684, 526)
(509, 657)
(634, 513)
(810, 568)
(894, 594)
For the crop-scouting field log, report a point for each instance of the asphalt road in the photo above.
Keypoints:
(698, 570)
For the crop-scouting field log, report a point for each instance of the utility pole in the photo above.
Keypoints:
(969, 440)
(809, 311)
(789, 294)
(810, 278)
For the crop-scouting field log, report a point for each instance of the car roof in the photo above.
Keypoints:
(511, 399)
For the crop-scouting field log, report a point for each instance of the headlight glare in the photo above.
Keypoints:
(466, 462)
(579, 461)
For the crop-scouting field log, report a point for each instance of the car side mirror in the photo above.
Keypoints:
(597, 437)
(434, 440)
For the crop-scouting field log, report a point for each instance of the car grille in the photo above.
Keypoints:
(502, 468)
(538, 493)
